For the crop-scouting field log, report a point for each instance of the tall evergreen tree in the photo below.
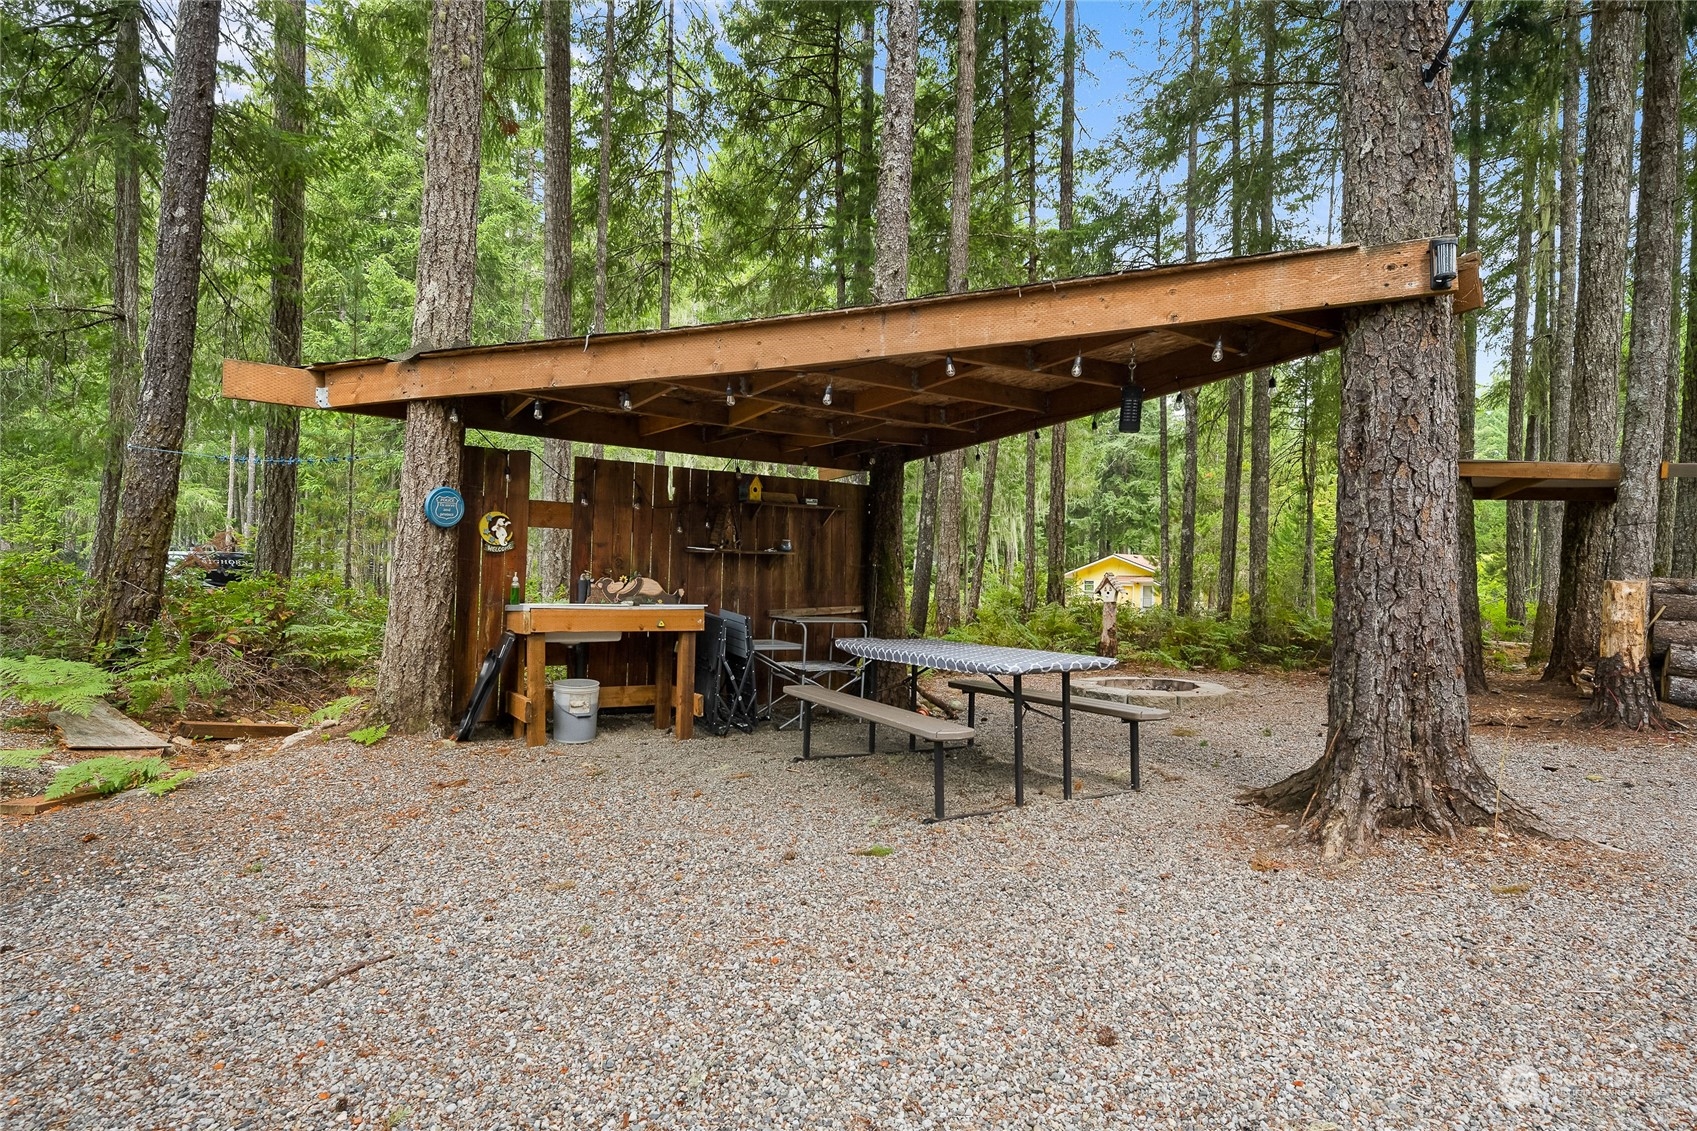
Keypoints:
(554, 549)
(135, 582)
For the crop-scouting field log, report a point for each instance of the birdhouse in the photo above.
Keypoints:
(751, 489)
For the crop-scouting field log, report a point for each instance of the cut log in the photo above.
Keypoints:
(1682, 660)
(1625, 691)
(1667, 633)
(1673, 606)
(1681, 690)
(1665, 586)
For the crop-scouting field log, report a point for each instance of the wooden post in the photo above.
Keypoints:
(1109, 643)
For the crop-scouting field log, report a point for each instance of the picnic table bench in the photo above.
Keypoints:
(876, 714)
(1130, 713)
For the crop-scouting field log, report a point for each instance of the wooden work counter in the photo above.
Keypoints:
(673, 627)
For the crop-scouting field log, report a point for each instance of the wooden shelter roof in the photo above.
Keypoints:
(1544, 479)
(923, 376)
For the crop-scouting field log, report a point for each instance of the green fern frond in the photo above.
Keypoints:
(161, 786)
(370, 736)
(67, 685)
(335, 709)
(22, 759)
(109, 774)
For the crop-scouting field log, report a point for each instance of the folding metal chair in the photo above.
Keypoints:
(709, 667)
(737, 687)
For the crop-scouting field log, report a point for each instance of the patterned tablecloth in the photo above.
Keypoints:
(979, 659)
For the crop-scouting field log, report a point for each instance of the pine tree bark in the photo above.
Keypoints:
(554, 550)
(1166, 513)
(275, 551)
(953, 464)
(124, 381)
(1514, 542)
(1192, 429)
(1668, 503)
(1261, 384)
(668, 142)
(887, 610)
(1055, 524)
(1397, 751)
(1550, 514)
(414, 678)
(603, 174)
(1592, 429)
(1467, 543)
(1685, 504)
(1231, 501)
(925, 542)
(147, 510)
(1625, 694)
(1028, 543)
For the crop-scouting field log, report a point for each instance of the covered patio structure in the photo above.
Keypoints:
(860, 389)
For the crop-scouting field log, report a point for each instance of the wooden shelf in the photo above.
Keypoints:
(741, 553)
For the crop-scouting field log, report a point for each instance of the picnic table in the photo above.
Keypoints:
(991, 660)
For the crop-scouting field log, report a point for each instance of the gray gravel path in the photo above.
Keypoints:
(648, 933)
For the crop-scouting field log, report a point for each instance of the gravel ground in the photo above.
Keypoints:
(687, 935)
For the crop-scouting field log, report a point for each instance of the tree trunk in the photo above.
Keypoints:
(889, 284)
(1467, 542)
(868, 185)
(1669, 498)
(1055, 525)
(231, 515)
(1166, 514)
(895, 161)
(953, 469)
(925, 543)
(1028, 543)
(667, 143)
(1625, 693)
(1685, 505)
(123, 383)
(554, 547)
(1310, 474)
(1514, 559)
(1261, 384)
(147, 510)
(414, 679)
(986, 504)
(247, 496)
(1231, 500)
(1593, 429)
(1187, 507)
(603, 175)
(1550, 514)
(276, 549)
(1397, 750)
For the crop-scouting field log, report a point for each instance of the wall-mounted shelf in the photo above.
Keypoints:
(740, 553)
(827, 511)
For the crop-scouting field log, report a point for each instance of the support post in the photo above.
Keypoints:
(1018, 741)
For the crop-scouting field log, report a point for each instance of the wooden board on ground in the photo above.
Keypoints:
(30, 806)
(103, 729)
(206, 728)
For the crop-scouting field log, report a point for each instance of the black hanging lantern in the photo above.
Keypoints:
(1131, 408)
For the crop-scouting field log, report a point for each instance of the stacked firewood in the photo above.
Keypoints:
(1673, 637)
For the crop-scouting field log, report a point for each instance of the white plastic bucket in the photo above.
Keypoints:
(576, 702)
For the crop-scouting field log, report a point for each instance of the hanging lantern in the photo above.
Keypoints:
(1131, 408)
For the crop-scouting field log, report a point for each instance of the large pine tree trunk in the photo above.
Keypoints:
(887, 610)
(1625, 694)
(1467, 545)
(415, 677)
(1189, 400)
(1055, 524)
(554, 548)
(1166, 512)
(147, 511)
(123, 383)
(276, 549)
(668, 142)
(1593, 429)
(1685, 504)
(953, 469)
(1669, 498)
(1550, 514)
(1028, 541)
(1514, 556)
(1231, 500)
(1261, 384)
(603, 177)
(1397, 750)
(925, 542)
(986, 509)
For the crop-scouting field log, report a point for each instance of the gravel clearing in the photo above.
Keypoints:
(643, 932)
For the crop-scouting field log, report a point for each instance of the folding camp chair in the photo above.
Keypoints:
(737, 687)
(709, 667)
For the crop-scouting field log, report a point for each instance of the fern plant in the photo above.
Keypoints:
(21, 759)
(68, 685)
(114, 774)
(166, 671)
(370, 736)
(335, 709)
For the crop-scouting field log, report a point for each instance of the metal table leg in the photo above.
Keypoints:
(868, 690)
(1066, 735)
(912, 702)
(1136, 758)
(1018, 741)
(937, 778)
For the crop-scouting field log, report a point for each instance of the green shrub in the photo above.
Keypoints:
(115, 773)
(44, 606)
(164, 669)
(1055, 628)
(68, 685)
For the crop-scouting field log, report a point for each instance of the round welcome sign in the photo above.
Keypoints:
(444, 507)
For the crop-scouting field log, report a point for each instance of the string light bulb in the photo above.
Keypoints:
(730, 397)
(1078, 365)
(948, 365)
(1219, 349)
(453, 414)
(536, 410)
(828, 388)
(624, 400)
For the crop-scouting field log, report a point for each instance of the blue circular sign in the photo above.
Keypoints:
(444, 507)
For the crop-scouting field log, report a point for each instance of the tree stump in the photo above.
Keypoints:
(1625, 694)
